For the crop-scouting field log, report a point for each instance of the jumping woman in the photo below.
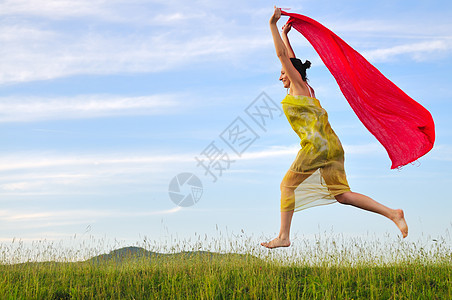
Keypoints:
(317, 176)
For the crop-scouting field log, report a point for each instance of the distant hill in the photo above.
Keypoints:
(128, 253)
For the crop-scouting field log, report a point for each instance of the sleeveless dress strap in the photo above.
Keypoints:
(310, 90)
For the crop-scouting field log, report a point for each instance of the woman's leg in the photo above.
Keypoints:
(335, 178)
(367, 203)
(288, 185)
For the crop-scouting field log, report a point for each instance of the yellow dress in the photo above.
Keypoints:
(317, 174)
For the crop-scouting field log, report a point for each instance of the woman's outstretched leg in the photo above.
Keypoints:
(367, 203)
(288, 185)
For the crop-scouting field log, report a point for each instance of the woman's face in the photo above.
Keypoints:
(285, 80)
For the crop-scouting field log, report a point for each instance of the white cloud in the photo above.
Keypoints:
(28, 109)
(36, 161)
(292, 150)
(45, 174)
(26, 161)
(52, 54)
(144, 12)
(55, 8)
(417, 51)
(271, 152)
(371, 148)
(41, 174)
(175, 35)
(15, 186)
(16, 33)
(77, 215)
(437, 26)
(442, 153)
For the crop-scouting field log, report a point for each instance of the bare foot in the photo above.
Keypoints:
(399, 220)
(276, 243)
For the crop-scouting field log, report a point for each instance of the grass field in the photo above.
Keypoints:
(323, 268)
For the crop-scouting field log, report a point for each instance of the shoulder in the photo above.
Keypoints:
(302, 89)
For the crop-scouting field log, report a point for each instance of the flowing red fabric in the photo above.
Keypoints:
(403, 126)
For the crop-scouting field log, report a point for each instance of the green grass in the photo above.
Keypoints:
(325, 268)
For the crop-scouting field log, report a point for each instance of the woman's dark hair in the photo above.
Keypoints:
(301, 67)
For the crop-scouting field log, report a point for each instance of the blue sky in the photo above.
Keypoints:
(102, 103)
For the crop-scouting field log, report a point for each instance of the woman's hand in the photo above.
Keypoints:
(276, 15)
(286, 28)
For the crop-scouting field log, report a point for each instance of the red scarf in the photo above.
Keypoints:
(404, 128)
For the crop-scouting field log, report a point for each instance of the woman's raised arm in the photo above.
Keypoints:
(285, 38)
(297, 85)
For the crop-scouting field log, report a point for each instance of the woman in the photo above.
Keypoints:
(317, 175)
